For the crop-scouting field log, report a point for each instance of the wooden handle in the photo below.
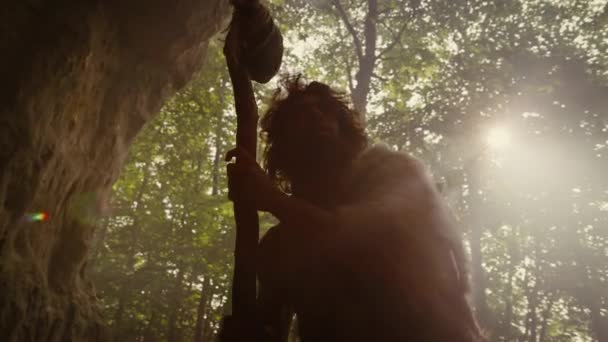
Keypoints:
(248, 57)
(244, 286)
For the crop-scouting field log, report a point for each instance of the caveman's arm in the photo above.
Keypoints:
(397, 191)
(302, 215)
(400, 201)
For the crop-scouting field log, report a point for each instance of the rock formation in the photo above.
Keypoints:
(79, 80)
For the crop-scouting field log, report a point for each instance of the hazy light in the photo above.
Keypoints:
(498, 138)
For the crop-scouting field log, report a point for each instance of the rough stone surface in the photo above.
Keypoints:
(79, 79)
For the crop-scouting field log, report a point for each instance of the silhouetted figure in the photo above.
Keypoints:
(366, 250)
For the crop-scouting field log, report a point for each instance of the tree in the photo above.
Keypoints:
(432, 77)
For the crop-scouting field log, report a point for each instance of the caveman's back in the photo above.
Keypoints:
(379, 292)
(335, 304)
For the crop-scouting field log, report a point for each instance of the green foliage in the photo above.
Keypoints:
(534, 214)
(167, 246)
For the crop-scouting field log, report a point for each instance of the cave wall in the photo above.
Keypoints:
(79, 79)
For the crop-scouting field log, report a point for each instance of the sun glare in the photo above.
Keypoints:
(498, 138)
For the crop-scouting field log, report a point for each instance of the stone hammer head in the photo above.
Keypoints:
(254, 41)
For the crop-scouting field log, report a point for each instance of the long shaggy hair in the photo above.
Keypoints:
(288, 98)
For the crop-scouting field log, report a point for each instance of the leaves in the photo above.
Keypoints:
(444, 73)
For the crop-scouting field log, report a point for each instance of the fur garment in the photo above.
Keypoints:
(393, 269)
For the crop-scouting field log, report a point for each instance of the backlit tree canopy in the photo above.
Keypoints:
(505, 101)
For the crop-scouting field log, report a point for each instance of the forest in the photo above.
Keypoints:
(506, 102)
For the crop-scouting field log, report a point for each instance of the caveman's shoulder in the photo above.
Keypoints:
(381, 161)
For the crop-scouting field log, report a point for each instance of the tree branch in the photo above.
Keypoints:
(349, 75)
(370, 29)
(383, 79)
(344, 17)
(396, 40)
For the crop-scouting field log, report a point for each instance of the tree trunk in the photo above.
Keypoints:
(207, 324)
(365, 52)
(506, 326)
(479, 285)
(80, 78)
(476, 224)
(367, 62)
(133, 236)
(532, 317)
(200, 312)
(149, 334)
(218, 141)
(599, 322)
(532, 293)
(545, 319)
(175, 300)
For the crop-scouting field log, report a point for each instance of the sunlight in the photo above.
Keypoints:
(498, 138)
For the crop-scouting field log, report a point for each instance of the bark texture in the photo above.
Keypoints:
(79, 80)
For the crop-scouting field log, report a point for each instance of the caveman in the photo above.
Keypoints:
(366, 249)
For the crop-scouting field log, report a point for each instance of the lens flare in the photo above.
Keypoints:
(498, 138)
(38, 217)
